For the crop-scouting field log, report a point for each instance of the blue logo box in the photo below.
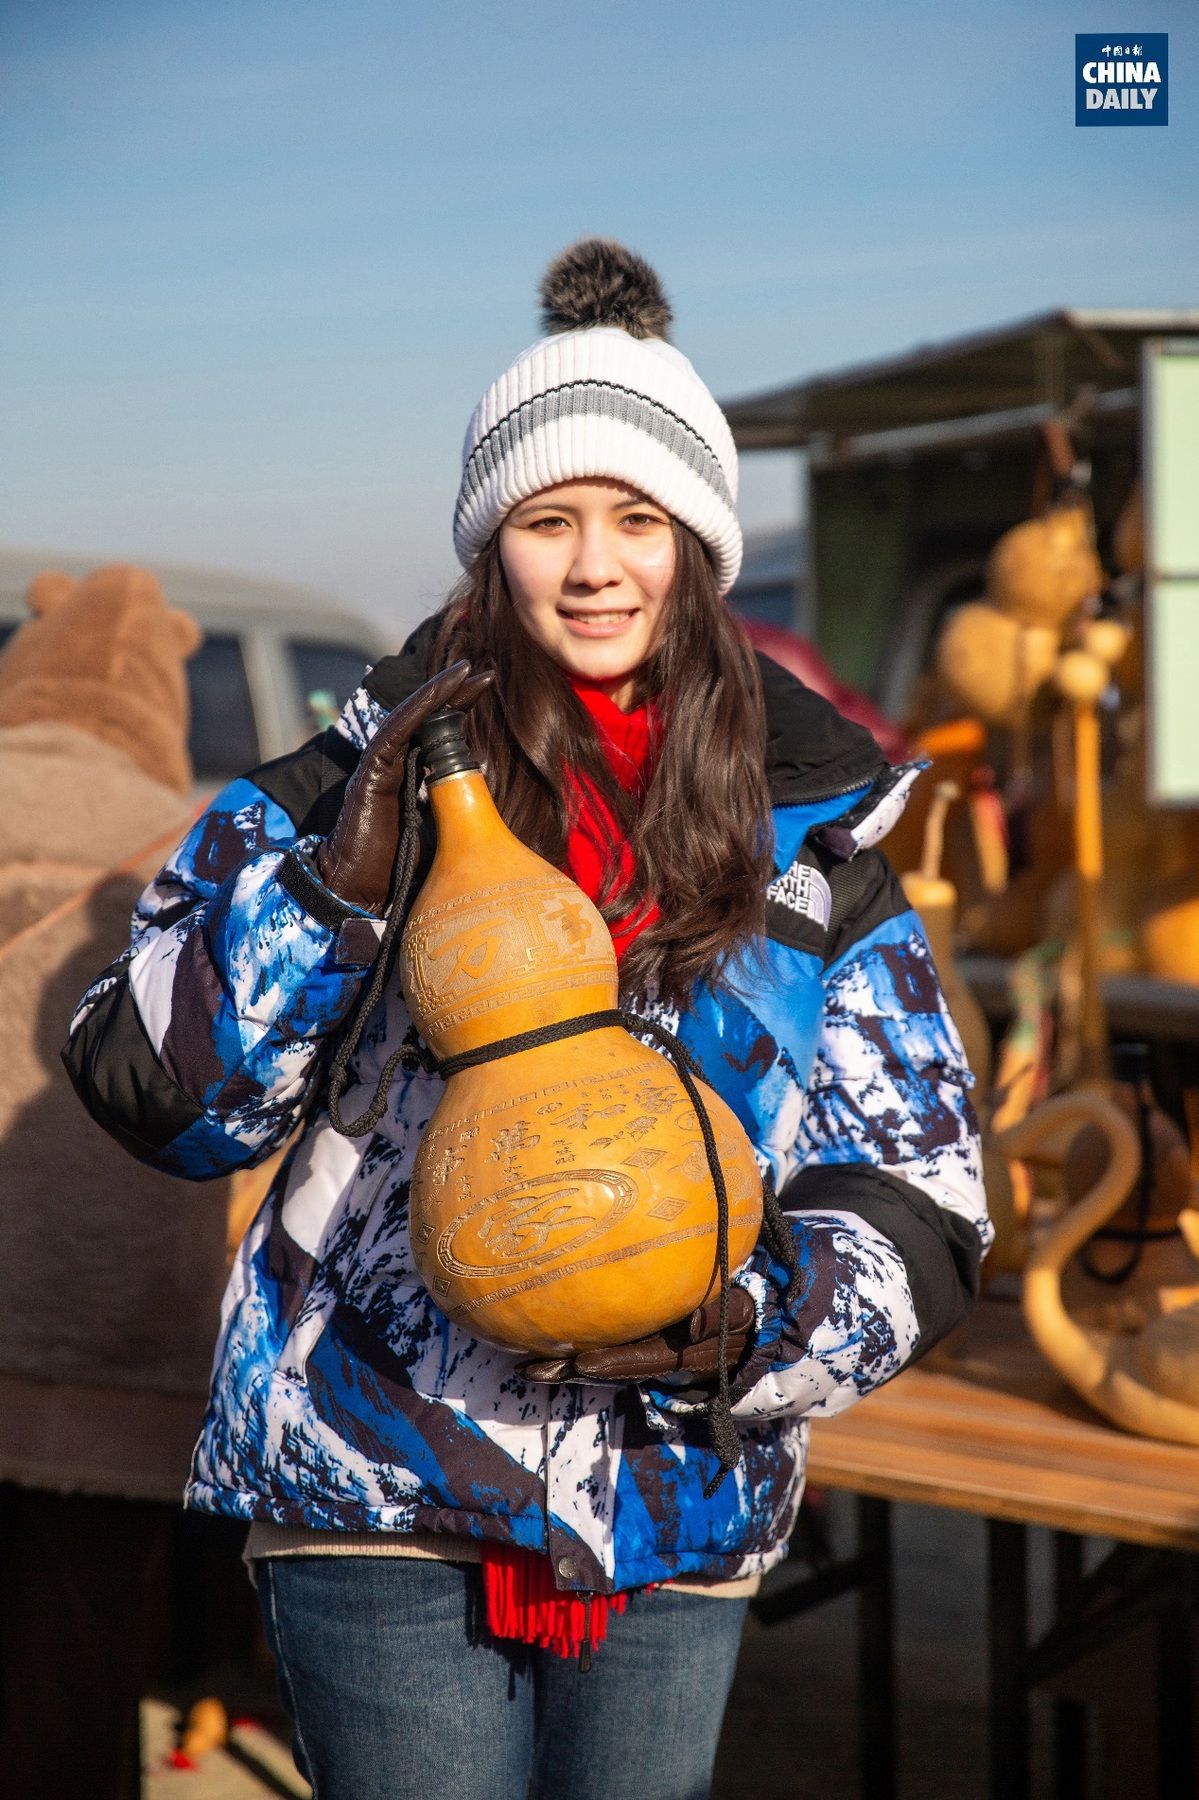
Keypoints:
(1121, 78)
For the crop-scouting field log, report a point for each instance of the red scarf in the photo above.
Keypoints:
(629, 741)
(521, 1599)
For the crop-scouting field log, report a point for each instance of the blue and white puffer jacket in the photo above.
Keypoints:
(342, 1398)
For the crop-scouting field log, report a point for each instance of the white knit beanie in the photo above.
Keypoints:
(603, 395)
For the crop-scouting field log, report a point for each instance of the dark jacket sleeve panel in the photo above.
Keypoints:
(120, 1080)
(309, 783)
(865, 893)
(941, 1250)
(812, 750)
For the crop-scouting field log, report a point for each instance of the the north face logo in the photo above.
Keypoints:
(802, 889)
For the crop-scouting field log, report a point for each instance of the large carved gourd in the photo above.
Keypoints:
(561, 1198)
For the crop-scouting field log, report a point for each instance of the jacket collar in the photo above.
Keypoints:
(812, 753)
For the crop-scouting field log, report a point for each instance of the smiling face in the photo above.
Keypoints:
(589, 566)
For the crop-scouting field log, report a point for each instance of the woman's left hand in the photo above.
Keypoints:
(690, 1346)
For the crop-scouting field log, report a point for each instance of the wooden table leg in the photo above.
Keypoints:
(1070, 1770)
(876, 1651)
(1176, 1772)
(1007, 1627)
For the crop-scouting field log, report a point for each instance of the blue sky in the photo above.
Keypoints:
(258, 260)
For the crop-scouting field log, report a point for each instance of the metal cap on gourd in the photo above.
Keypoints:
(561, 1198)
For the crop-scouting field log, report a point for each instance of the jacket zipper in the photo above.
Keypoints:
(854, 787)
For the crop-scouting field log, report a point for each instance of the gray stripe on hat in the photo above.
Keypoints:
(602, 399)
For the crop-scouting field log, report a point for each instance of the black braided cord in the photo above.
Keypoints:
(722, 1432)
(531, 1040)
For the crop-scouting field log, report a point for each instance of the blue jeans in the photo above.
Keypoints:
(397, 1692)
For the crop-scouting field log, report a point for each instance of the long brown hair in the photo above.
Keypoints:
(701, 839)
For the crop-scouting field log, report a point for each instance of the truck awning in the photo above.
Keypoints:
(999, 380)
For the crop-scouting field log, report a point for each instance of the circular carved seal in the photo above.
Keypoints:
(535, 1221)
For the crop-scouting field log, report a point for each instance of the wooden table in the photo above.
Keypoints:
(984, 1426)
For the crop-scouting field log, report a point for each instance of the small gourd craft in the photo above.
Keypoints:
(562, 1197)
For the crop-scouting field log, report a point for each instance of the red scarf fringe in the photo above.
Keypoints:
(523, 1605)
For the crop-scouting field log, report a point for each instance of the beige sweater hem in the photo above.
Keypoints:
(266, 1539)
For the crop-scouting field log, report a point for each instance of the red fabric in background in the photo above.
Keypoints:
(629, 743)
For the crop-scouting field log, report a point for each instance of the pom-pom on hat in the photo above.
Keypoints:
(604, 394)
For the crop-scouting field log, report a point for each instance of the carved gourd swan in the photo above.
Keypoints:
(1146, 1381)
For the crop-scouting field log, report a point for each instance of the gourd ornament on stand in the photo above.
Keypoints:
(562, 1197)
(1111, 1289)
(1081, 678)
(1041, 572)
(1155, 851)
(935, 900)
(995, 654)
(1083, 675)
(995, 657)
(1140, 849)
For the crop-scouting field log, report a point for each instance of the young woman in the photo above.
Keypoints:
(434, 1521)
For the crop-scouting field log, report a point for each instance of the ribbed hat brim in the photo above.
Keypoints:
(602, 404)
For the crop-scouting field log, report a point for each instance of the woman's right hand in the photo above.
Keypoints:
(357, 859)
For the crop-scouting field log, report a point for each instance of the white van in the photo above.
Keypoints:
(275, 660)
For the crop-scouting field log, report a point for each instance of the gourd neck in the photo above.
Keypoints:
(459, 796)
(461, 803)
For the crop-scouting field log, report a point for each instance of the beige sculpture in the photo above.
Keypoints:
(995, 657)
(993, 664)
(995, 653)
(1040, 572)
(1146, 1380)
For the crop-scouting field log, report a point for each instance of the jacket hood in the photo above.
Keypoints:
(812, 752)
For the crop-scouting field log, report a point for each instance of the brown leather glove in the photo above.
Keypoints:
(357, 859)
(690, 1346)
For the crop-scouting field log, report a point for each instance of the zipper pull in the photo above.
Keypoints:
(585, 1646)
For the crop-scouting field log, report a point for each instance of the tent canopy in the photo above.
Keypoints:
(1042, 362)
